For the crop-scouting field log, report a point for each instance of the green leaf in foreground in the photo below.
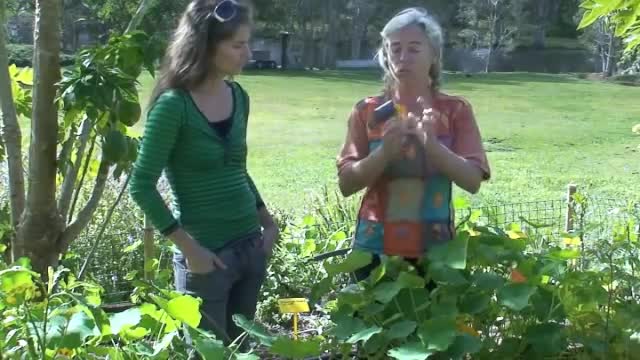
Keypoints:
(515, 296)
(364, 335)
(296, 349)
(254, 330)
(413, 351)
(354, 261)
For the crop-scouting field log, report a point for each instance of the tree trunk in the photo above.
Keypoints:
(611, 53)
(71, 176)
(332, 35)
(11, 130)
(539, 35)
(362, 11)
(356, 40)
(492, 38)
(149, 249)
(41, 233)
(38, 233)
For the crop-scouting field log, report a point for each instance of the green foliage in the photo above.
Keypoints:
(498, 295)
(21, 84)
(101, 88)
(63, 317)
(21, 55)
(624, 14)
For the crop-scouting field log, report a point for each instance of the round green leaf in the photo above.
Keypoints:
(354, 261)
(401, 330)
(413, 351)
(438, 333)
(487, 281)
(475, 303)
(126, 319)
(208, 347)
(254, 329)
(296, 349)
(364, 335)
(185, 308)
(115, 146)
(464, 344)
(515, 296)
(548, 338)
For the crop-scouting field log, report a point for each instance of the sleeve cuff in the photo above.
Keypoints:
(173, 227)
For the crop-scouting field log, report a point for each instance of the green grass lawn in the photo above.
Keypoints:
(541, 132)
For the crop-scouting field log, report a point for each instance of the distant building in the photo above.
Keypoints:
(78, 29)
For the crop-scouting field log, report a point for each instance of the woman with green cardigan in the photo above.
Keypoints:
(195, 132)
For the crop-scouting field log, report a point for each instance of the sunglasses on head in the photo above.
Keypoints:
(225, 10)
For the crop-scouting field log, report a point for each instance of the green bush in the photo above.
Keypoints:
(22, 55)
(627, 79)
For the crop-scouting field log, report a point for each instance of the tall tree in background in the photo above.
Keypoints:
(43, 231)
(11, 143)
(360, 11)
(543, 8)
(41, 224)
(606, 22)
(490, 24)
(600, 38)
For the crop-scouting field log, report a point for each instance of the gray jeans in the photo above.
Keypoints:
(226, 292)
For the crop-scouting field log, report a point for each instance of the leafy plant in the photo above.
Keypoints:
(624, 14)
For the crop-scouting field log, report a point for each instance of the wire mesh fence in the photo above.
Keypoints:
(547, 218)
(120, 252)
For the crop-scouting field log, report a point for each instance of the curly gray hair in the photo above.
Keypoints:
(433, 33)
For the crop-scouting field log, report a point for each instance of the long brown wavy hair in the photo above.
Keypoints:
(187, 61)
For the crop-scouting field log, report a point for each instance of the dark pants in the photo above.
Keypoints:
(365, 271)
(226, 292)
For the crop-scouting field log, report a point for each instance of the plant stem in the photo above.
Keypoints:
(41, 340)
(107, 219)
(606, 329)
(87, 162)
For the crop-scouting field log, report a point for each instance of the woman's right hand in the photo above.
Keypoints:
(204, 261)
(199, 259)
(393, 139)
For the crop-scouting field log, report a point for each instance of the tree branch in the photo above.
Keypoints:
(84, 216)
(71, 176)
(11, 130)
(85, 170)
(139, 15)
(106, 221)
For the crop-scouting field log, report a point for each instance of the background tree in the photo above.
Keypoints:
(97, 101)
(491, 25)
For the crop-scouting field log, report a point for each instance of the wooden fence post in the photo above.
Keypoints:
(149, 249)
(570, 213)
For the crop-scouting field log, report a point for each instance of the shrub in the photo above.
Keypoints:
(22, 55)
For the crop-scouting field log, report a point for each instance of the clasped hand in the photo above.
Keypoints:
(398, 131)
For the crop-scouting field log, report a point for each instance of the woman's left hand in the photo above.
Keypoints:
(269, 238)
(423, 126)
(270, 232)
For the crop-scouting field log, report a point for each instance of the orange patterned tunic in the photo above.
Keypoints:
(409, 208)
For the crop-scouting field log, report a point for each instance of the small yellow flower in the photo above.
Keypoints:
(473, 233)
(515, 235)
(571, 241)
(66, 353)
(465, 328)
